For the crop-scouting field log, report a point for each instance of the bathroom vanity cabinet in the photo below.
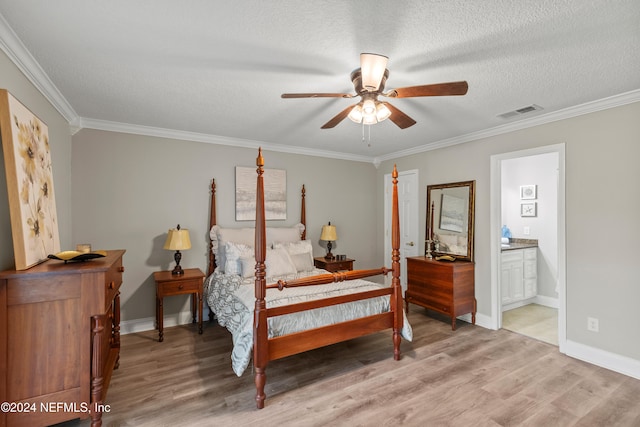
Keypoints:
(518, 275)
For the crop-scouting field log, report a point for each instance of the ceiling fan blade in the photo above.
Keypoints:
(317, 95)
(439, 89)
(372, 68)
(338, 118)
(399, 118)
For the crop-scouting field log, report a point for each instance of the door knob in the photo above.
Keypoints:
(410, 244)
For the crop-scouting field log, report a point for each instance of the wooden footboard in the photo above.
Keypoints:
(265, 349)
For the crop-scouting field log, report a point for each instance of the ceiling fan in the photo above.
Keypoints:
(369, 81)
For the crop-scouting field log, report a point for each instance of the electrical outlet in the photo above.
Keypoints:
(526, 231)
(592, 324)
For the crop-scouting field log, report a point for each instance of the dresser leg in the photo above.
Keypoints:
(97, 380)
(116, 327)
(473, 313)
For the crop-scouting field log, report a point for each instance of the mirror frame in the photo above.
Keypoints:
(470, 216)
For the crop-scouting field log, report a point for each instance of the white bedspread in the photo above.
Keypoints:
(232, 299)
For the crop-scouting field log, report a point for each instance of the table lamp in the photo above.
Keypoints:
(177, 240)
(329, 235)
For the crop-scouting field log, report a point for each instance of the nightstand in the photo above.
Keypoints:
(333, 265)
(167, 284)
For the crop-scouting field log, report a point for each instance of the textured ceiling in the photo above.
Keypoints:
(214, 70)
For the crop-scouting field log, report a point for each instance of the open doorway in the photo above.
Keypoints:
(529, 255)
(528, 249)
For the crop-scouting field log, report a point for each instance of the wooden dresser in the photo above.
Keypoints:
(59, 340)
(446, 287)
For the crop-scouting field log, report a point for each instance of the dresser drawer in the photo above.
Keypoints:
(342, 265)
(442, 305)
(179, 287)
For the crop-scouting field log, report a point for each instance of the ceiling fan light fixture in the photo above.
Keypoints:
(382, 112)
(369, 119)
(356, 113)
(372, 68)
(368, 107)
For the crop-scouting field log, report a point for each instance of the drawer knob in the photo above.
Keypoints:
(181, 286)
(112, 285)
(121, 269)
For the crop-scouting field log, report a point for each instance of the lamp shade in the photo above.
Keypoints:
(177, 239)
(356, 113)
(372, 67)
(329, 233)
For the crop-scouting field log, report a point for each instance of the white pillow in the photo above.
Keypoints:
(219, 236)
(278, 263)
(233, 253)
(301, 253)
(284, 234)
(248, 263)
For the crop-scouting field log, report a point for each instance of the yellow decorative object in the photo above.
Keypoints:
(77, 255)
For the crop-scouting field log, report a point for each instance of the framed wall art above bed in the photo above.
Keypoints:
(275, 194)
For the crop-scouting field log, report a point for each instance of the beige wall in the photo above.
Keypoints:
(602, 226)
(129, 190)
(12, 79)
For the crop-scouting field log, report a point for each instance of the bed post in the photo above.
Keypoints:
(260, 341)
(212, 222)
(303, 214)
(396, 299)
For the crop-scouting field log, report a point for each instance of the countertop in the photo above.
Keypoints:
(520, 244)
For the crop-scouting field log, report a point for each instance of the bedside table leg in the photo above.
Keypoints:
(159, 320)
(200, 312)
(194, 310)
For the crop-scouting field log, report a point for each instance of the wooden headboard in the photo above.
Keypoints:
(213, 221)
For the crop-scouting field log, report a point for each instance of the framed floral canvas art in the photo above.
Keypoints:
(27, 161)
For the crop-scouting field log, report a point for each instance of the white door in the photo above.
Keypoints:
(409, 225)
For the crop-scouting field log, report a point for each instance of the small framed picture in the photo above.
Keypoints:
(528, 192)
(528, 209)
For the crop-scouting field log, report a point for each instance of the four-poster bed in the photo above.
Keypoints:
(293, 307)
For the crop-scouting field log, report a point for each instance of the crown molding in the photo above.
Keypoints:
(86, 123)
(26, 63)
(578, 110)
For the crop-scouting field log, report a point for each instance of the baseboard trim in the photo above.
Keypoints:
(547, 301)
(149, 323)
(481, 320)
(612, 361)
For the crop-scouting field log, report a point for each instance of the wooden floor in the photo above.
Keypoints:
(468, 377)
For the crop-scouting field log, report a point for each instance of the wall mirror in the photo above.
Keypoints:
(450, 219)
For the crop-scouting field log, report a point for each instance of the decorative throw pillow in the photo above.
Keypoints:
(301, 253)
(233, 253)
(278, 263)
(248, 263)
(219, 236)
